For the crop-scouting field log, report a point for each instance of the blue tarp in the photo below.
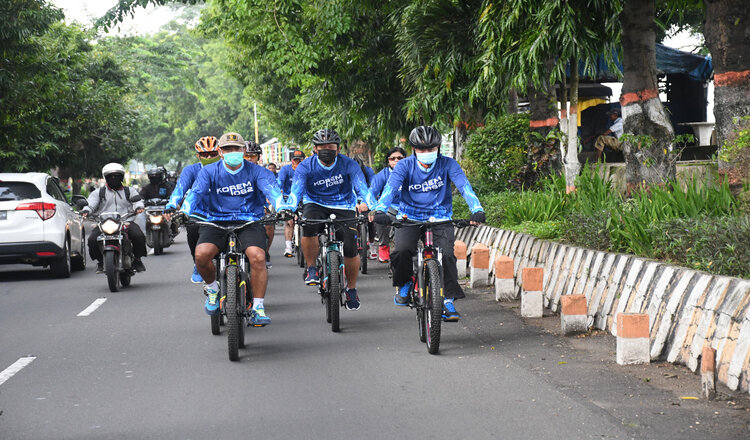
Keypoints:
(669, 61)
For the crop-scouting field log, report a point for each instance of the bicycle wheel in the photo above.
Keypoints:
(433, 291)
(363, 250)
(245, 293)
(298, 245)
(333, 297)
(234, 324)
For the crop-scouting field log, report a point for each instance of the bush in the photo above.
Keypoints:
(496, 152)
(587, 230)
(713, 244)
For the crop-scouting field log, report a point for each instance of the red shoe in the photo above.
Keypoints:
(384, 254)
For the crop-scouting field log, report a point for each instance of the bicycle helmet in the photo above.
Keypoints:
(424, 137)
(253, 148)
(206, 144)
(326, 136)
(155, 175)
(113, 168)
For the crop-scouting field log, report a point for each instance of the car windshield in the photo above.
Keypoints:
(18, 191)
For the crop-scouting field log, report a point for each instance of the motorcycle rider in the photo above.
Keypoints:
(207, 150)
(252, 154)
(285, 182)
(114, 197)
(329, 183)
(424, 183)
(225, 192)
(158, 187)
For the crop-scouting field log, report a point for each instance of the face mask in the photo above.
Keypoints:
(427, 158)
(327, 156)
(234, 159)
(154, 180)
(114, 181)
(209, 160)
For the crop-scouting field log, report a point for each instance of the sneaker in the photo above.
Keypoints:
(352, 300)
(138, 265)
(449, 312)
(100, 267)
(268, 261)
(288, 252)
(212, 301)
(258, 317)
(312, 278)
(196, 277)
(373, 254)
(402, 296)
(384, 254)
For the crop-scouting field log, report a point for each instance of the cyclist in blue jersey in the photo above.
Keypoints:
(285, 182)
(383, 232)
(329, 183)
(207, 150)
(369, 173)
(425, 181)
(252, 154)
(233, 191)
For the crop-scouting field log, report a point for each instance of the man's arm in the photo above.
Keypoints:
(459, 179)
(360, 186)
(299, 182)
(270, 188)
(395, 181)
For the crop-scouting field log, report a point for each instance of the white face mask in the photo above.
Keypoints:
(427, 158)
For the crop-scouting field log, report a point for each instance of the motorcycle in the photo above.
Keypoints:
(115, 245)
(160, 232)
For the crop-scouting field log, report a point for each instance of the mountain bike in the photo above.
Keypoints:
(426, 296)
(233, 274)
(331, 263)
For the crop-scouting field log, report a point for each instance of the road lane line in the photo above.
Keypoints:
(15, 368)
(90, 309)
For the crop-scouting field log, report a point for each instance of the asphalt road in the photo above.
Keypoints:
(144, 365)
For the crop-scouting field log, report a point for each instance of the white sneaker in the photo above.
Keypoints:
(288, 252)
(373, 254)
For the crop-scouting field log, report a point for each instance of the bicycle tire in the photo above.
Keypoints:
(245, 292)
(333, 296)
(363, 248)
(421, 325)
(216, 324)
(298, 246)
(434, 305)
(230, 287)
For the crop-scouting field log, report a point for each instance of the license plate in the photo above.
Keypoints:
(3, 215)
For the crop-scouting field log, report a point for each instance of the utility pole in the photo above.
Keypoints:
(255, 116)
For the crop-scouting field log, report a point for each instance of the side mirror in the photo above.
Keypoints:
(80, 201)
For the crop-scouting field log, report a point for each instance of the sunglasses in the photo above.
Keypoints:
(208, 154)
(395, 158)
(253, 155)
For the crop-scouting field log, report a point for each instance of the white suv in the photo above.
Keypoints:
(38, 226)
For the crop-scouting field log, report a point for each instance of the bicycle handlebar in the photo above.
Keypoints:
(235, 228)
(459, 223)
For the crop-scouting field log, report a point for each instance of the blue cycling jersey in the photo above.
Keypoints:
(426, 193)
(369, 175)
(220, 194)
(336, 187)
(377, 184)
(285, 178)
(187, 177)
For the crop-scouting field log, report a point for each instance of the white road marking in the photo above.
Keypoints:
(15, 368)
(90, 309)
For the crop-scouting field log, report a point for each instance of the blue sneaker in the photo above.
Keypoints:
(196, 277)
(352, 300)
(258, 317)
(449, 311)
(402, 297)
(312, 278)
(212, 301)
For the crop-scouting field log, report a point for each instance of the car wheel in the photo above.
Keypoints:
(60, 266)
(79, 262)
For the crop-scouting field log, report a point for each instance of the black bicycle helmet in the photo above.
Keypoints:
(425, 136)
(252, 148)
(326, 136)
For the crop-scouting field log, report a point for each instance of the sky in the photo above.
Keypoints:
(145, 21)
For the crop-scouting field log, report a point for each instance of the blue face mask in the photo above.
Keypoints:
(427, 158)
(234, 159)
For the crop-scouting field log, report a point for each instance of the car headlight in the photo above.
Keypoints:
(110, 227)
(155, 219)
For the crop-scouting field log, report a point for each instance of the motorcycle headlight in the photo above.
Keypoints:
(110, 227)
(155, 218)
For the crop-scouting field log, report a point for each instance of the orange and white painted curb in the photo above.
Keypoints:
(459, 251)
(480, 265)
(505, 284)
(573, 316)
(531, 295)
(632, 339)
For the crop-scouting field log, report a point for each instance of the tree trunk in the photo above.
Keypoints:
(650, 134)
(460, 135)
(570, 151)
(728, 39)
(512, 101)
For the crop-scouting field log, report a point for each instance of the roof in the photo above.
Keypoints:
(669, 61)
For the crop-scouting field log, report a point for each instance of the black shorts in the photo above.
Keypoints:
(344, 232)
(253, 235)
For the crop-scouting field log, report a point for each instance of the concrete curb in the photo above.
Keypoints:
(687, 309)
